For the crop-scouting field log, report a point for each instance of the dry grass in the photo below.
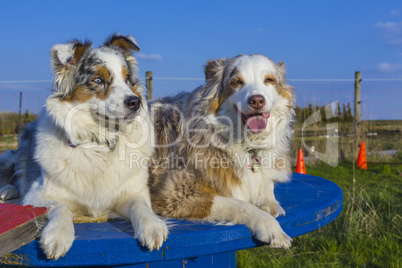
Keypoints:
(379, 136)
(8, 142)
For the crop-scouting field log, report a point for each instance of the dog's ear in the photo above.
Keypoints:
(214, 69)
(65, 55)
(213, 77)
(284, 89)
(281, 70)
(64, 61)
(125, 42)
(128, 45)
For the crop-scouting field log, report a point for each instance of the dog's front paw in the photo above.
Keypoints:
(273, 208)
(281, 240)
(8, 192)
(270, 232)
(152, 232)
(57, 238)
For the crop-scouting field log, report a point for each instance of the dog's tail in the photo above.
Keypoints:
(8, 164)
(15, 165)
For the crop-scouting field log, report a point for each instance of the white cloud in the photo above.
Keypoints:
(386, 67)
(390, 32)
(390, 26)
(143, 56)
(394, 12)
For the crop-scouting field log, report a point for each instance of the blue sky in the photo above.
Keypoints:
(316, 39)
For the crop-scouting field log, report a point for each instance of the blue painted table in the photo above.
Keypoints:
(310, 202)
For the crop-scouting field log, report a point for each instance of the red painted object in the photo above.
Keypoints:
(300, 168)
(18, 225)
(14, 215)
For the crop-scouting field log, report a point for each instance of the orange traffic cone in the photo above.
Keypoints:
(361, 159)
(300, 168)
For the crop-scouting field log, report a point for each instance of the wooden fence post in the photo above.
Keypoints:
(19, 115)
(356, 121)
(148, 78)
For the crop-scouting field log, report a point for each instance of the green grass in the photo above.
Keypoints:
(366, 234)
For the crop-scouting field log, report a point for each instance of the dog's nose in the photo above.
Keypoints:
(256, 101)
(132, 102)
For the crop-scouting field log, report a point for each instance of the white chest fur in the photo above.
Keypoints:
(89, 178)
(257, 182)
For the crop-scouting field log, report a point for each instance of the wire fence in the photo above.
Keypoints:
(381, 109)
(380, 97)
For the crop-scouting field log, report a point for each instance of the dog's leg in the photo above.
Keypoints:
(265, 227)
(58, 234)
(270, 204)
(273, 208)
(149, 229)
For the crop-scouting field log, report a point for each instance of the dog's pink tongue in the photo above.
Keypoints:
(257, 123)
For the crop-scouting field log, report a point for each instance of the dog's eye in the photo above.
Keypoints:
(268, 80)
(128, 79)
(239, 82)
(98, 80)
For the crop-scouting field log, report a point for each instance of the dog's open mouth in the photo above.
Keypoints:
(256, 122)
